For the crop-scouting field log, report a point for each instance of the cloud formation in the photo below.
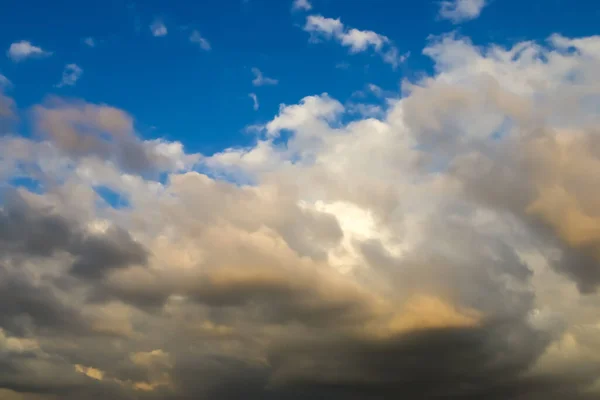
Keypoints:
(261, 80)
(158, 28)
(71, 75)
(254, 98)
(200, 41)
(443, 247)
(356, 40)
(458, 11)
(301, 5)
(19, 51)
(89, 41)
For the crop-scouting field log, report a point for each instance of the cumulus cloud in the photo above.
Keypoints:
(19, 51)
(458, 11)
(158, 28)
(304, 5)
(71, 75)
(334, 257)
(197, 39)
(356, 40)
(261, 80)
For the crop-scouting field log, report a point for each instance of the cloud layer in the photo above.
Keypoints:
(446, 248)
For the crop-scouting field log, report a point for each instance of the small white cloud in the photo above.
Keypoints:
(357, 40)
(342, 65)
(158, 28)
(394, 58)
(89, 41)
(71, 75)
(261, 80)
(255, 100)
(376, 90)
(301, 5)
(459, 11)
(317, 24)
(22, 50)
(196, 38)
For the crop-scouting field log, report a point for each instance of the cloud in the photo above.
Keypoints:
(301, 266)
(89, 41)
(196, 38)
(254, 100)
(7, 104)
(83, 130)
(458, 11)
(303, 5)
(71, 75)
(158, 28)
(356, 40)
(5, 82)
(19, 51)
(260, 80)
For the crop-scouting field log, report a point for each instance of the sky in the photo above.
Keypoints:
(260, 199)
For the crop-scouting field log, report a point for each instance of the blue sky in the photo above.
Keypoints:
(177, 90)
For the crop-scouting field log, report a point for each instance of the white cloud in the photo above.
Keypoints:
(89, 41)
(158, 28)
(356, 40)
(71, 75)
(311, 108)
(22, 50)
(376, 90)
(301, 5)
(459, 11)
(261, 80)
(319, 25)
(197, 38)
(254, 100)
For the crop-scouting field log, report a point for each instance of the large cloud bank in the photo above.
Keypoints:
(450, 249)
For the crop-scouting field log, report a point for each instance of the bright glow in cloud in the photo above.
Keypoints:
(19, 51)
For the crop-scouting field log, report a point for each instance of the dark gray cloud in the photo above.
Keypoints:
(29, 231)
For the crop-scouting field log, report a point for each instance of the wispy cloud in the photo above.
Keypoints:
(22, 50)
(4, 82)
(261, 80)
(197, 38)
(254, 100)
(299, 5)
(89, 41)
(459, 11)
(356, 40)
(158, 28)
(71, 75)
